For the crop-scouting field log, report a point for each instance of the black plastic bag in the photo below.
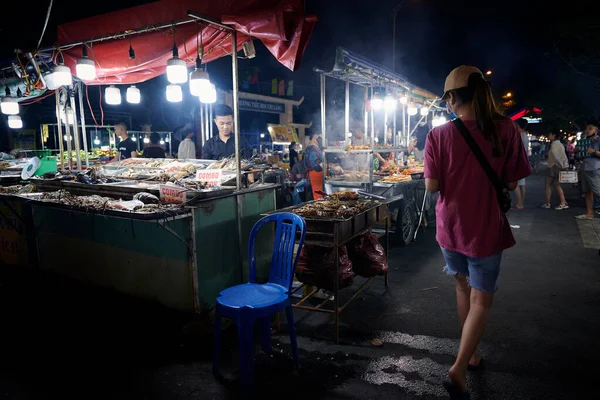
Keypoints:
(368, 256)
(316, 266)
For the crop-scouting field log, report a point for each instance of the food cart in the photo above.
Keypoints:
(100, 227)
(388, 97)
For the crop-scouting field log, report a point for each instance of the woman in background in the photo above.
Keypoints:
(557, 161)
(314, 158)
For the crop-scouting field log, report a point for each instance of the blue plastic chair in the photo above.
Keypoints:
(251, 302)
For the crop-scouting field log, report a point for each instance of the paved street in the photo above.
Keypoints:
(61, 340)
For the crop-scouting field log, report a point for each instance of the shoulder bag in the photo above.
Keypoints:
(502, 193)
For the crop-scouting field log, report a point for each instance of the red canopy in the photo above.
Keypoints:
(280, 24)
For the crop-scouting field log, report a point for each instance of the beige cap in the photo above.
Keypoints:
(459, 78)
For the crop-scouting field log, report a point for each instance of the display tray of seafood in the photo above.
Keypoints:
(340, 216)
(142, 206)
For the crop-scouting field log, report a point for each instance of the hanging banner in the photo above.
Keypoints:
(261, 106)
(283, 133)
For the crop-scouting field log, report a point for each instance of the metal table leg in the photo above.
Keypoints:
(336, 312)
(420, 215)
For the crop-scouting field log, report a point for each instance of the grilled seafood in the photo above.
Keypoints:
(333, 207)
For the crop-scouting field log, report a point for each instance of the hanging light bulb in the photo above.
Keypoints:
(67, 138)
(412, 110)
(438, 121)
(146, 140)
(96, 141)
(15, 122)
(62, 76)
(210, 95)
(390, 102)
(174, 93)
(376, 101)
(133, 95)
(112, 95)
(424, 110)
(8, 104)
(199, 79)
(199, 82)
(162, 141)
(85, 68)
(167, 139)
(403, 100)
(176, 68)
(133, 138)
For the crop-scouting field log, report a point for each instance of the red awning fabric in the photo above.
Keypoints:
(280, 24)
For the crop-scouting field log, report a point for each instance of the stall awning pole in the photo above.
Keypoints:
(236, 110)
(59, 123)
(323, 119)
(372, 118)
(75, 126)
(83, 128)
(210, 121)
(347, 108)
(367, 113)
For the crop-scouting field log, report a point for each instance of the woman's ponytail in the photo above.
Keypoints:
(486, 111)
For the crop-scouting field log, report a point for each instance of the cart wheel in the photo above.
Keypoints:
(405, 225)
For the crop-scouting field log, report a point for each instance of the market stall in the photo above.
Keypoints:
(174, 231)
(388, 101)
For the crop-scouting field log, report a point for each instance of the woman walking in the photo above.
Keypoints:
(472, 229)
(557, 161)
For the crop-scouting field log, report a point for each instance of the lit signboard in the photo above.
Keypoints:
(533, 120)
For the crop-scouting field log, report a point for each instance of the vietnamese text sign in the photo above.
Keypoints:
(172, 194)
(212, 177)
(261, 106)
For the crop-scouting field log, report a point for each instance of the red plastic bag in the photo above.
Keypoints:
(316, 266)
(368, 256)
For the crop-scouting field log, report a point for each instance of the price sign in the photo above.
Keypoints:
(212, 177)
(172, 194)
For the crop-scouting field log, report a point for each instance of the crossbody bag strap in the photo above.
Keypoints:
(489, 171)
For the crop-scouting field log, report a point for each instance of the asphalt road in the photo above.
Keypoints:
(65, 340)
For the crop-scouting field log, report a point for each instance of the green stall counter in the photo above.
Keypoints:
(182, 262)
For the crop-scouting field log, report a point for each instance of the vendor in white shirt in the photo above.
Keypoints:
(187, 148)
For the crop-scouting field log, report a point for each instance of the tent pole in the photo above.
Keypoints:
(366, 113)
(59, 123)
(236, 109)
(75, 126)
(323, 111)
(347, 108)
(83, 128)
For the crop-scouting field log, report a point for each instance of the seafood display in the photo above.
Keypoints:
(146, 198)
(342, 206)
(228, 164)
(359, 147)
(141, 203)
(17, 189)
(396, 178)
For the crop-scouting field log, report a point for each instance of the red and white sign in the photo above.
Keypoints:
(212, 177)
(172, 194)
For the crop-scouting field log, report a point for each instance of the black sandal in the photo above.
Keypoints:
(454, 391)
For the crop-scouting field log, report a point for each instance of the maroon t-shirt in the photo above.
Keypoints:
(468, 218)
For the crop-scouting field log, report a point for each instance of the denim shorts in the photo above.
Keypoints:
(481, 273)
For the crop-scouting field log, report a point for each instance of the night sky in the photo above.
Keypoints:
(517, 40)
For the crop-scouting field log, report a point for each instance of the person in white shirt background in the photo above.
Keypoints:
(521, 189)
(187, 148)
(557, 161)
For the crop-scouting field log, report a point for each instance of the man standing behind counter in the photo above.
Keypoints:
(126, 147)
(223, 145)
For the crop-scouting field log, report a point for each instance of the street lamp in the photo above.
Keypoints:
(509, 94)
